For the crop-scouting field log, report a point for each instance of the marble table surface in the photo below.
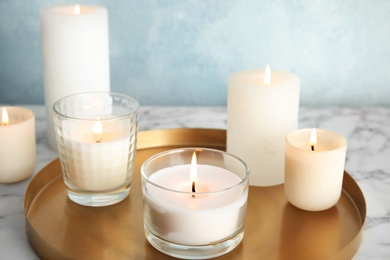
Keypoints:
(367, 130)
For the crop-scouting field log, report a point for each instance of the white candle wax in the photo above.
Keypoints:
(259, 118)
(179, 218)
(314, 178)
(93, 165)
(75, 54)
(17, 145)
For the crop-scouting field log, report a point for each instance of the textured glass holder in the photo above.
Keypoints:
(96, 139)
(196, 219)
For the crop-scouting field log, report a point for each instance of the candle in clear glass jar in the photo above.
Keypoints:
(197, 220)
(201, 216)
(96, 137)
(96, 161)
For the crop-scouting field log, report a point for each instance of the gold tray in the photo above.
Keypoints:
(57, 228)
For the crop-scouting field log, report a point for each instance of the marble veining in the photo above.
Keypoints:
(367, 130)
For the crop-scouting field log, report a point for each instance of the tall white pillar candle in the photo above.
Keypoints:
(75, 52)
(260, 115)
(314, 172)
(17, 144)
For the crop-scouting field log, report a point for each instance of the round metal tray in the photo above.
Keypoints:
(57, 228)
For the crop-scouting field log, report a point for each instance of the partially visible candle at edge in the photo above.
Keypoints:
(17, 144)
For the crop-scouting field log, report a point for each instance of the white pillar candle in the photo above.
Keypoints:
(17, 144)
(314, 170)
(75, 52)
(260, 115)
(200, 220)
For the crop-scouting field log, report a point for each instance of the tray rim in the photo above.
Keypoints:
(212, 137)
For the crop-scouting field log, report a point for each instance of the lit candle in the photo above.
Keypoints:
(75, 54)
(96, 137)
(262, 110)
(314, 168)
(17, 144)
(194, 204)
(97, 160)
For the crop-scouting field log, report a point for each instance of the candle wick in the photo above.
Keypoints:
(312, 147)
(98, 138)
(193, 189)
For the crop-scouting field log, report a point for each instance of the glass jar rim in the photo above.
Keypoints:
(243, 180)
(113, 94)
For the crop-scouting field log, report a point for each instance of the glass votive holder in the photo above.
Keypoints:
(314, 171)
(96, 139)
(194, 208)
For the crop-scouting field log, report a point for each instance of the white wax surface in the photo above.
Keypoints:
(314, 178)
(203, 219)
(75, 52)
(259, 118)
(17, 145)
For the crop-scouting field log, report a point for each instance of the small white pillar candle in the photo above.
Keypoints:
(17, 144)
(75, 53)
(261, 112)
(314, 169)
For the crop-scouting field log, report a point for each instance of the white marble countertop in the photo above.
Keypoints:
(367, 131)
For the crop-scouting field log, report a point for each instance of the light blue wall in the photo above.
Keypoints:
(181, 52)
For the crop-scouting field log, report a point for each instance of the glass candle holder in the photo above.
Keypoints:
(96, 139)
(194, 217)
(314, 172)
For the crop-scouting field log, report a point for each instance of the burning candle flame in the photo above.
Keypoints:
(97, 130)
(313, 138)
(76, 10)
(193, 172)
(267, 75)
(4, 117)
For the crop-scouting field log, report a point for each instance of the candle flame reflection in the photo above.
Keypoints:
(193, 172)
(4, 117)
(97, 130)
(267, 75)
(76, 10)
(313, 138)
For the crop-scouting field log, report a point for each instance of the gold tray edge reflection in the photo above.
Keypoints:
(181, 137)
(157, 140)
